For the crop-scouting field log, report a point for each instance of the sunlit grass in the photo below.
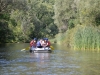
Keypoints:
(87, 38)
(80, 38)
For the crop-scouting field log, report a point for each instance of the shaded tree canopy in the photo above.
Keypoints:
(21, 20)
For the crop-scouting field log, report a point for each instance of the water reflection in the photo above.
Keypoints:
(40, 64)
(60, 62)
(41, 57)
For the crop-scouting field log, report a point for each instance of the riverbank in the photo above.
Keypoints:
(80, 38)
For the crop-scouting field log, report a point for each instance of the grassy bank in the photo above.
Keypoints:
(81, 38)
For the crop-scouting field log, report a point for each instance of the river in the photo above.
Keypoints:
(61, 61)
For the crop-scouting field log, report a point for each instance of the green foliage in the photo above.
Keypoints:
(42, 17)
(80, 20)
(25, 19)
(87, 38)
(65, 13)
(70, 24)
(88, 11)
(69, 13)
(13, 22)
(4, 16)
(5, 32)
(97, 20)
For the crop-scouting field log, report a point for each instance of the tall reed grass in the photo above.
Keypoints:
(86, 38)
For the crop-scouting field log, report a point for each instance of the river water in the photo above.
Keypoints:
(61, 61)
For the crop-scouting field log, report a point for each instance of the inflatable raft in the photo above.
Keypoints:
(40, 50)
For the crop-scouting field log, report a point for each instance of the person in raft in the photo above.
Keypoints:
(46, 43)
(39, 43)
(33, 43)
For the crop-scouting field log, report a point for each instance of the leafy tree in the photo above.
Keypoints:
(69, 13)
(25, 19)
(65, 10)
(42, 16)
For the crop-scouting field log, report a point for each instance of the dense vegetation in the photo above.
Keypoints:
(21, 20)
(76, 21)
(80, 20)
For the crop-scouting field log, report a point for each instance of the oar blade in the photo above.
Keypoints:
(22, 49)
(27, 48)
(52, 48)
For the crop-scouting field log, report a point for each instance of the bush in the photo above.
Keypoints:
(87, 38)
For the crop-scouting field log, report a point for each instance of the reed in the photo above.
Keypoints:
(86, 38)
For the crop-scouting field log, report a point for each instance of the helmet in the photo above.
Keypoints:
(46, 39)
(35, 39)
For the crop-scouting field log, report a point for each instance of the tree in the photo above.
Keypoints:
(65, 10)
(26, 19)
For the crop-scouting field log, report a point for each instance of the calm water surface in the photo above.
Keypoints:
(61, 61)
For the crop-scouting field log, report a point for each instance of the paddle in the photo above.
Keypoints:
(52, 48)
(27, 48)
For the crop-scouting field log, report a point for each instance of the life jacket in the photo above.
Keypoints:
(48, 43)
(38, 43)
(32, 43)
